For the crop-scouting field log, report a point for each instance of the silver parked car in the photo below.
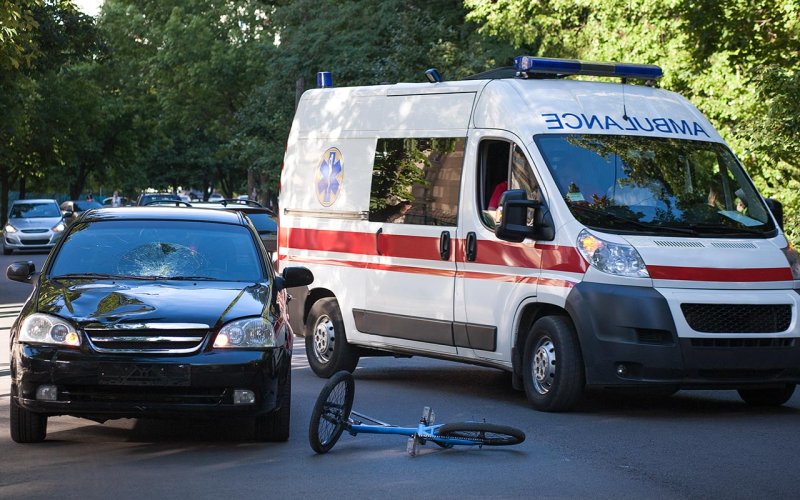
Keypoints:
(32, 225)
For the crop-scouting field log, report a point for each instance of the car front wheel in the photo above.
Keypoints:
(26, 426)
(552, 370)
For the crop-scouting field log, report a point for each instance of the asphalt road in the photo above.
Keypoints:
(691, 445)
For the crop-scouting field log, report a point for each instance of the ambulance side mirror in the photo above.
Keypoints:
(513, 224)
(776, 208)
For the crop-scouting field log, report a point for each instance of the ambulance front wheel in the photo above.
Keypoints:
(326, 344)
(552, 371)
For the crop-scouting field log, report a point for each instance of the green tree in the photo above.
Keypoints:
(737, 61)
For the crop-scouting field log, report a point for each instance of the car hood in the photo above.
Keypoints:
(35, 223)
(104, 302)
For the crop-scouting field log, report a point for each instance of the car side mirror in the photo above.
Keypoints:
(21, 271)
(776, 208)
(513, 225)
(297, 276)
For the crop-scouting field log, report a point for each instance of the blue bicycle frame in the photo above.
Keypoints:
(421, 433)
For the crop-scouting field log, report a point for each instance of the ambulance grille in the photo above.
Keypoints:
(678, 243)
(738, 318)
(731, 244)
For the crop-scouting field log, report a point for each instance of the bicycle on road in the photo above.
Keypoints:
(333, 414)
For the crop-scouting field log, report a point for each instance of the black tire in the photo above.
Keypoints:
(331, 412)
(552, 368)
(483, 433)
(274, 427)
(327, 349)
(7, 251)
(26, 426)
(772, 396)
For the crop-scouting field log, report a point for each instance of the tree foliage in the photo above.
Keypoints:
(737, 61)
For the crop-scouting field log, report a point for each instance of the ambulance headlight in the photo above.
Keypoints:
(611, 258)
(46, 329)
(250, 332)
(794, 261)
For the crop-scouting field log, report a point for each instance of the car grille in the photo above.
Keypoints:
(738, 318)
(151, 340)
(34, 231)
(36, 241)
(149, 395)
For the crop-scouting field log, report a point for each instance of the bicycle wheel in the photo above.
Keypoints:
(482, 433)
(331, 411)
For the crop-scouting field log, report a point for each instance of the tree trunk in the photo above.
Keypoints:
(251, 183)
(4, 188)
(22, 188)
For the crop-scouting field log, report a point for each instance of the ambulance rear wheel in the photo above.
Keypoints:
(327, 349)
(774, 396)
(552, 370)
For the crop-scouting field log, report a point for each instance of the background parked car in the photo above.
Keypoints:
(71, 210)
(32, 225)
(124, 202)
(264, 219)
(147, 198)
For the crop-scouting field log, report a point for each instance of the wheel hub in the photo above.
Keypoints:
(544, 366)
(323, 339)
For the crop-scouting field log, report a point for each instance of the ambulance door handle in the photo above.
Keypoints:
(378, 241)
(444, 245)
(472, 246)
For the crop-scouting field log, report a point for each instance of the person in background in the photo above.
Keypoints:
(116, 200)
(89, 197)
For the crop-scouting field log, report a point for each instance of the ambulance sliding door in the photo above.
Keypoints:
(413, 215)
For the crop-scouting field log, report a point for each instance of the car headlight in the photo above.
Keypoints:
(611, 258)
(46, 329)
(59, 227)
(250, 332)
(794, 260)
(10, 229)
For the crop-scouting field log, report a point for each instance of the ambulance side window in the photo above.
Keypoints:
(503, 166)
(417, 181)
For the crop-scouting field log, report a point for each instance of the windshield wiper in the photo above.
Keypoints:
(90, 276)
(635, 223)
(185, 278)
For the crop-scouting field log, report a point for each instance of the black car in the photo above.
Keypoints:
(264, 219)
(149, 198)
(153, 312)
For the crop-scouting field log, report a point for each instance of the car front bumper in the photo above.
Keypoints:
(21, 240)
(103, 387)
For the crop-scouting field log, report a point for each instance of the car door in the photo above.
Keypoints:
(494, 276)
(413, 215)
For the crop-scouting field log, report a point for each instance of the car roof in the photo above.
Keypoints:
(164, 213)
(38, 200)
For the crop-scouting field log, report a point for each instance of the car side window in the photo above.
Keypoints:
(417, 181)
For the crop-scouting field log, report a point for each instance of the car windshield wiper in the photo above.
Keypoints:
(634, 223)
(184, 278)
(91, 276)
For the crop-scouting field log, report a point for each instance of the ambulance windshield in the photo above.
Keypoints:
(635, 184)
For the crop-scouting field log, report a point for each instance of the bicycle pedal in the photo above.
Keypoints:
(412, 446)
(428, 416)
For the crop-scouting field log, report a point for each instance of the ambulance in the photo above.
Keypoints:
(578, 233)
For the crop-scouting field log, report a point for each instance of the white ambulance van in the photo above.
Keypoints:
(579, 234)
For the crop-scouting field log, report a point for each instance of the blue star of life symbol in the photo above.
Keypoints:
(329, 177)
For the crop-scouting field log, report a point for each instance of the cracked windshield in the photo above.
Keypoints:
(655, 185)
(159, 249)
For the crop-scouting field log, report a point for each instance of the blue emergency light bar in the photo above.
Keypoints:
(550, 66)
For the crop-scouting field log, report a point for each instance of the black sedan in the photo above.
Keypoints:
(153, 312)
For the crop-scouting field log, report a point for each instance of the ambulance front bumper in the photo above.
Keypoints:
(636, 336)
